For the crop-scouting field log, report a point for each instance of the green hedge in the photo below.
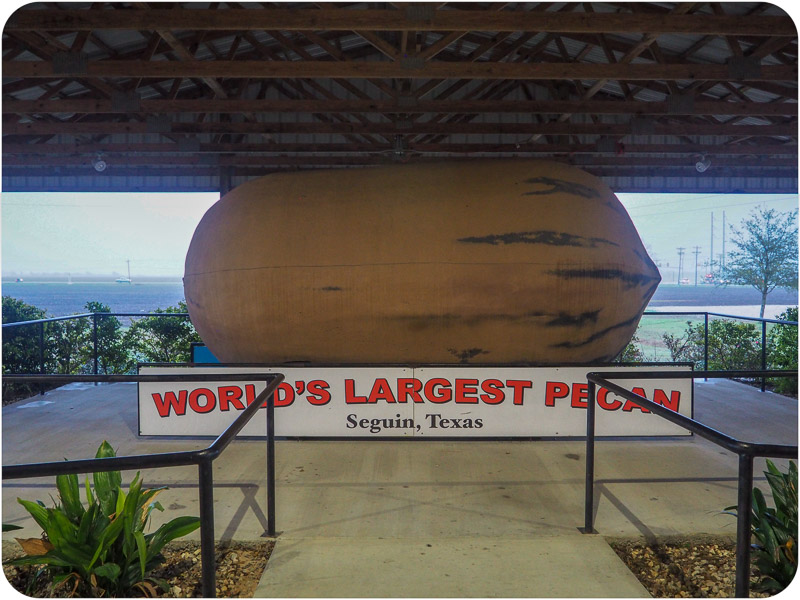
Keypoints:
(69, 345)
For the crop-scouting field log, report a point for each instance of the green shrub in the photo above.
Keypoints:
(163, 339)
(113, 347)
(732, 345)
(101, 549)
(782, 343)
(20, 344)
(632, 353)
(21, 347)
(775, 530)
(70, 340)
(69, 345)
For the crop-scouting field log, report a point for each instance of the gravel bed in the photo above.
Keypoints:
(685, 567)
(239, 569)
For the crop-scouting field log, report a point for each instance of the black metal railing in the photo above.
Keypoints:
(202, 458)
(746, 451)
(95, 316)
(95, 354)
(706, 316)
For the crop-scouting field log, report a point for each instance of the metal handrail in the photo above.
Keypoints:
(716, 314)
(96, 315)
(707, 314)
(185, 315)
(746, 451)
(93, 314)
(203, 458)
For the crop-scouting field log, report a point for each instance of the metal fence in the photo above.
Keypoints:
(202, 458)
(705, 316)
(746, 451)
(96, 317)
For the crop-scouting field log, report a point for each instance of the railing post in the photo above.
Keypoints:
(763, 354)
(41, 356)
(705, 345)
(744, 508)
(94, 341)
(588, 522)
(271, 465)
(207, 549)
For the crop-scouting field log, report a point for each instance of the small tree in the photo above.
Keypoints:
(783, 351)
(765, 254)
(731, 345)
(70, 341)
(164, 339)
(113, 347)
(21, 346)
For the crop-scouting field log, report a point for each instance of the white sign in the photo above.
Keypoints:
(422, 402)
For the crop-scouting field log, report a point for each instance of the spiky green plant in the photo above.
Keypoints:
(101, 549)
(775, 530)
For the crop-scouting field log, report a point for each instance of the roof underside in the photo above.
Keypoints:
(193, 96)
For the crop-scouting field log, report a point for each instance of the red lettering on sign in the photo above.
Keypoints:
(381, 391)
(580, 395)
(409, 386)
(555, 390)
(465, 387)
(170, 402)
(629, 406)
(660, 396)
(209, 404)
(230, 394)
(288, 395)
(603, 403)
(319, 394)
(250, 394)
(350, 393)
(519, 387)
(438, 398)
(494, 391)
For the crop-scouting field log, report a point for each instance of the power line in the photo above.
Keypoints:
(672, 212)
(694, 199)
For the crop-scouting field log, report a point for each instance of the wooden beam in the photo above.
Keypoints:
(208, 105)
(409, 19)
(718, 175)
(372, 158)
(266, 148)
(395, 70)
(787, 129)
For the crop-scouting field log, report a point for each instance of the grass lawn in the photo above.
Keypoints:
(653, 327)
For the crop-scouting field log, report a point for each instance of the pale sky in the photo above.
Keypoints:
(98, 232)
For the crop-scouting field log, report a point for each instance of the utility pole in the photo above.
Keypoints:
(680, 263)
(711, 252)
(723, 241)
(696, 254)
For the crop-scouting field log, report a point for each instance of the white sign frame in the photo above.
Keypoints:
(425, 402)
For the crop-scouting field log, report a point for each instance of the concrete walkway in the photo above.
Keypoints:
(434, 519)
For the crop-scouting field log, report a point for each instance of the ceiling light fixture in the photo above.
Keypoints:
(99, 164)
(702, 164)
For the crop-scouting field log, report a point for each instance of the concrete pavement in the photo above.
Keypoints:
(355, 517)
